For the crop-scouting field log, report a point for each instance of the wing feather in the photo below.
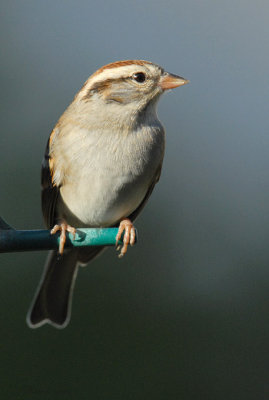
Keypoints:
(156, 178)
(50, 191)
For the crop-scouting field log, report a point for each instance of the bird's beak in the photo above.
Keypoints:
(171, 81)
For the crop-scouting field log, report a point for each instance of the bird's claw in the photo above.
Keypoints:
(129, 236)
(63, 228)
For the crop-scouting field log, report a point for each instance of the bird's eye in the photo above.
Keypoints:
(139, 77)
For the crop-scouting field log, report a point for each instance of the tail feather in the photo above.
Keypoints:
(52, 302)
(53, 299)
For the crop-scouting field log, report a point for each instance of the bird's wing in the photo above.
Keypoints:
(137, 211)
(50, 191)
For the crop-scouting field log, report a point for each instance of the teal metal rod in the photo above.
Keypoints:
(12, 240)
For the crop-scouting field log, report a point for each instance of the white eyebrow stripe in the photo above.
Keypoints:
(114, 73)
(120, 72)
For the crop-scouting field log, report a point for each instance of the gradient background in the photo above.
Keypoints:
(185, 314)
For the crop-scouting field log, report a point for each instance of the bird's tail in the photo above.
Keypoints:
(53, 299)
(52, 302)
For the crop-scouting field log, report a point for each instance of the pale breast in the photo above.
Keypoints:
(107, 175)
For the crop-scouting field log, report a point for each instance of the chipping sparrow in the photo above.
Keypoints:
(102, 161)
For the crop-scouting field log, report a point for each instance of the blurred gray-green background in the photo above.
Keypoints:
(185, 314)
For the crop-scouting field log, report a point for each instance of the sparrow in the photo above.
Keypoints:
(101, 163)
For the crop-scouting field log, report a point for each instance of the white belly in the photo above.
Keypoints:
(112, 181)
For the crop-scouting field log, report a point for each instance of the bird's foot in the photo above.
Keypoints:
(63, 228)
(128, 238)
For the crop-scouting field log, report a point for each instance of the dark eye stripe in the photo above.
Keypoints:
(100, 86)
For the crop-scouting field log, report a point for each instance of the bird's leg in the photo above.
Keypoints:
(129, 235)
(63, 228)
